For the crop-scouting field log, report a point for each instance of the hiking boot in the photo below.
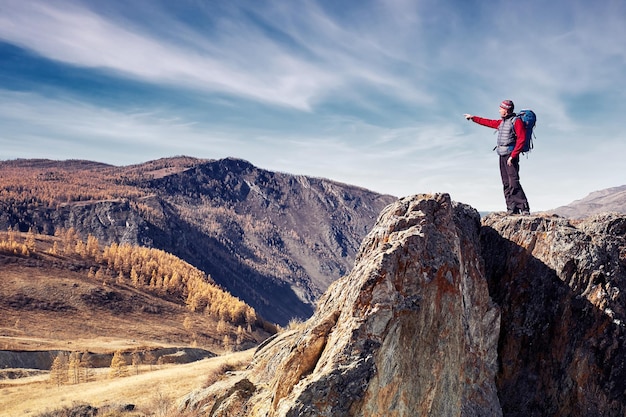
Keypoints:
(512, 211)
(525, 213)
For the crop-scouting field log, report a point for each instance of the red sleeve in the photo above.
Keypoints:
(487, 122)
(520, 132)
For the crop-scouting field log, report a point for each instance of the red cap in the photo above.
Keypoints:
(507, 105)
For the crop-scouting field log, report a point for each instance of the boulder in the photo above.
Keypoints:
(410, 331)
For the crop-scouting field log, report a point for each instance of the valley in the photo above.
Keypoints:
(176, 265)
(57, 303)
(151, 390)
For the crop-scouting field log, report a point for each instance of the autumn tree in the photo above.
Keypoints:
(30, 240)
(221, 327)
(93, 247)
(240, 336)
(74, 367)
(118, 365)
(227, 342)
(59, 370)
(54, 250)
(86, 364)
(144, 268)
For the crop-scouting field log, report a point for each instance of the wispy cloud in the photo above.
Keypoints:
(54, 128)
(321, 58)
(370, 93)
(77, 36)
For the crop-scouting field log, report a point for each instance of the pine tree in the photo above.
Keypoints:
(118, 365)
(58, 370)
(86, 364)
(74, 368)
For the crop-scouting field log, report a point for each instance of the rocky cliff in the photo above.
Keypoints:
(561, 286)
(410, 331)
(445, 316)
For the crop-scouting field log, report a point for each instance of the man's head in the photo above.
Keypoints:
(506, 107)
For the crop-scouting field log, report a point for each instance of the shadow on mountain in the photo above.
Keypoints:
(214, 258)
(561, 348)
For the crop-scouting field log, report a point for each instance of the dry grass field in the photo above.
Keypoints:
(153, 392)
(43, 309)
(50, 302)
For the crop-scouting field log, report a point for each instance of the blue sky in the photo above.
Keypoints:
(370, 93)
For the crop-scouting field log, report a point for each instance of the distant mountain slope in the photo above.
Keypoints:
(274, 240)
(607, 200)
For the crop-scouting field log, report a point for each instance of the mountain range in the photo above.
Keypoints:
(274, 240)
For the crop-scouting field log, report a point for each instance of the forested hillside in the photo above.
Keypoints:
(94, 290)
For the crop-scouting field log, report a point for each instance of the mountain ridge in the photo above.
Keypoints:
(272, 239)
(607, 200)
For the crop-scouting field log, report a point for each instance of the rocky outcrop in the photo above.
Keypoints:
(445, 315)
(561, 287)
(410, 331)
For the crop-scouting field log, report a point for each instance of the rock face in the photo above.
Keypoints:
(561, 287)
(445, 315)
(411, 331)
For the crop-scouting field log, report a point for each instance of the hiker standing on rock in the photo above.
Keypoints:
(511, 137)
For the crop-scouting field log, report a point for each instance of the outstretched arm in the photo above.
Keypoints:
(482, 121)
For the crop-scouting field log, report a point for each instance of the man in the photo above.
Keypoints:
(511, 135)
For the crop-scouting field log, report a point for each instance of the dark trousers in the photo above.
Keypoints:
(514, 196)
